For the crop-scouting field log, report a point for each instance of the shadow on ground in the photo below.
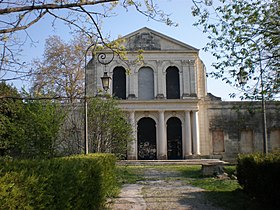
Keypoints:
(231, 200)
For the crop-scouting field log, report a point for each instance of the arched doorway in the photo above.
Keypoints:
(174, 138)
(146, 138)
(172, 83)
(146, 84)
(119, 83)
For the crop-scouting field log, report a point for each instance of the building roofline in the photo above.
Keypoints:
(162, 36)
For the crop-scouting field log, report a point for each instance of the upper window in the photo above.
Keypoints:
(119, 83)
(146, 83)
(172, 83)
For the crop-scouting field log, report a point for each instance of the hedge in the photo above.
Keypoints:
(259, 176)
(76, 182)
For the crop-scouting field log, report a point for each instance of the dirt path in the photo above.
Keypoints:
(159, 191)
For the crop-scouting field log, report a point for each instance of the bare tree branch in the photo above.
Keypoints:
(79, 15)
(70, 22)
(62, 5)
(18, 28)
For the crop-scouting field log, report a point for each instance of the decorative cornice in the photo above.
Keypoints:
(157, 105)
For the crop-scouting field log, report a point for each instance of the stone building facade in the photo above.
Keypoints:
(167, 104)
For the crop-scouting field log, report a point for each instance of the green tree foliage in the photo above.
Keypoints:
(109, 131)
(243, 34)
(10, 114)
(29, 128)
(41, 122)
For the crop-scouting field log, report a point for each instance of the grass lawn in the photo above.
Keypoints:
(225, 193)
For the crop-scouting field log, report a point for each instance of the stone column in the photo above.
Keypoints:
(132, 147)
(195, 133)
(162, 142)
(187, 144)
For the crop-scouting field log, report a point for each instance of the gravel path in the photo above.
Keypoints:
(160, 191)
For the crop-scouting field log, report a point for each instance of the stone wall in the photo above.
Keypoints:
(237, 127)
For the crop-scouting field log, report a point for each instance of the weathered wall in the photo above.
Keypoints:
(237, 127)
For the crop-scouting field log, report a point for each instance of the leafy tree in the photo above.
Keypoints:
(243, 35)
(61, 71)
(85, 16)
(41, 122)
(109, 131)
(28, 128)
(60, 74)
(10, 114)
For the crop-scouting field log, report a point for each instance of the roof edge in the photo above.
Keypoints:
(162, 36)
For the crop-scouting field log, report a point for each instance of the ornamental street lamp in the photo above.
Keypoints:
(242, 78)
(101, 58)
(105, 81)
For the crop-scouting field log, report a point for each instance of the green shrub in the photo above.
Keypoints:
(76, 182)
(259, 176)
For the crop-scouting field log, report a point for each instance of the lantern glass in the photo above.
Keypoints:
(242, 76)
(105, 81)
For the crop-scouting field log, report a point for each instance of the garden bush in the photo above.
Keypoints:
(76, 182)
(258, 174)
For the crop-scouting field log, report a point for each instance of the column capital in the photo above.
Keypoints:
(159, 62)
(188, 62)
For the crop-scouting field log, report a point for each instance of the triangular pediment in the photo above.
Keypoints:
(150, 40)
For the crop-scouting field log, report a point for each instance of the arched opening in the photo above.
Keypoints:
(174, 138)
(146, 138)
(119, 83)
(172, 83)
(146, 83)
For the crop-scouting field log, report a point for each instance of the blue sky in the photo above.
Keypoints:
(127, 22)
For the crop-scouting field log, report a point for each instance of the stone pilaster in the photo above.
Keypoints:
(160, 80)
(192, 77)
(186, 79)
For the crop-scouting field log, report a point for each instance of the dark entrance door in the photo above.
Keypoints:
(146, 138)
(174, 138)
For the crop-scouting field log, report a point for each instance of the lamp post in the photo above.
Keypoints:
(101, 58)
(242, 77)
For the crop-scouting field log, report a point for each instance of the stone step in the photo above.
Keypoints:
(173, 162)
